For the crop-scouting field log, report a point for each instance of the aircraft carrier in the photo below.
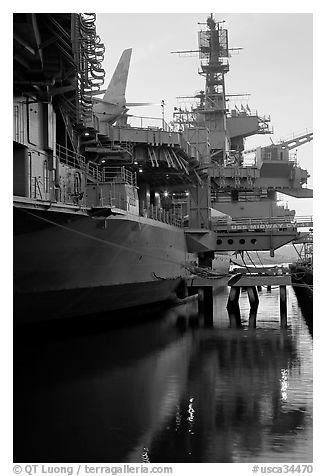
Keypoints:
(110, 216)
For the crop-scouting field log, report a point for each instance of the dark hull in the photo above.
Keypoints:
(302, 282)
(50, 305)
(69, 264)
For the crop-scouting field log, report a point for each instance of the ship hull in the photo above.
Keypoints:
(49, 305)
(67, 263)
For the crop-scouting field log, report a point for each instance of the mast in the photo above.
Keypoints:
(214, 54)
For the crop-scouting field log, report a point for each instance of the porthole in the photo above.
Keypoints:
(253, 241)
(219, 241)
(242, 241)
(230, 241)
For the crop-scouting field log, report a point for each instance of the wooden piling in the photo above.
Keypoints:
(252, 318)
(233, 307)
(205, 305)
(254, 302)
(235, 316)
(251, 282)
(208, 300)
(233, 296)
(283, 306)
(201, 303)
(253, 296)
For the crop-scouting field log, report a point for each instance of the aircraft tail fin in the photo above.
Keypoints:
(116, 90)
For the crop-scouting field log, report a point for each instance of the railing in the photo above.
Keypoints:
(94, 171)
(157, 123)
(304, 132)
(255, 223)
(121, 146)
(244, 111)
(263, 223)
(111, 174)
(159, 214)
(71, 158)
(304, 221)
(119, 175)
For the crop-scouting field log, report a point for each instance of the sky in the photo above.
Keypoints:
(275, 67)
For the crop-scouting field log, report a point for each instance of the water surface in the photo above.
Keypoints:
(166, 391)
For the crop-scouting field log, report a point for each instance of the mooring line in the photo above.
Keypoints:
(106, 242)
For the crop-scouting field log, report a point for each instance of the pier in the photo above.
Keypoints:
(249, 279)
(252, 282)
(203, 286)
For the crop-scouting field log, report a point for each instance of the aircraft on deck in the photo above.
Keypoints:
(113, 106)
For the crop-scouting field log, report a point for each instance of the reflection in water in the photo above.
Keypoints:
(156, 392)
(284, 384)
(238, 382)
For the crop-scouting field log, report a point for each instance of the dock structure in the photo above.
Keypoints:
(203, 286)
(251, 281)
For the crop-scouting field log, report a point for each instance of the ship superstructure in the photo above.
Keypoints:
(107, 215)
(89, 233)
(243, 182)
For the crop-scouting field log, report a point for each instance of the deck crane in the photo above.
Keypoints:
(296, 141)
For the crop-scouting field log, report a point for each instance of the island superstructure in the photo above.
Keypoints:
(109, 216)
